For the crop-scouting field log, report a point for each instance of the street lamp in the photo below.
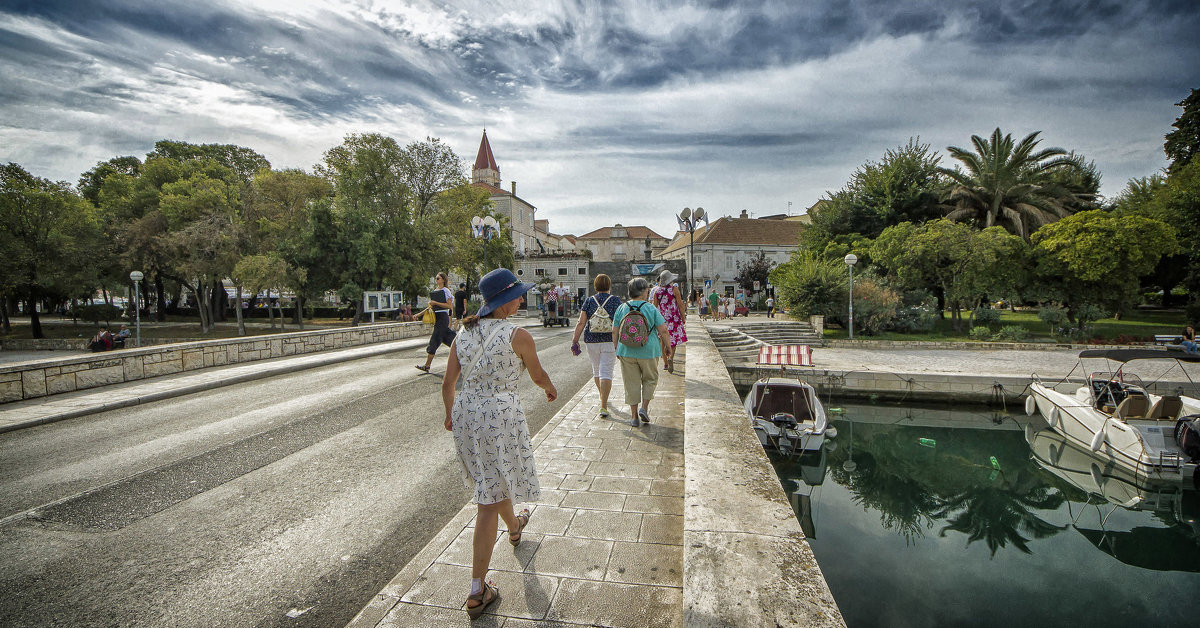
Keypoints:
(137, 277)
(485, 229)
(689, 219)
(851, 259)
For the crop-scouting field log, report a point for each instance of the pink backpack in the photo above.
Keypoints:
(635, 329)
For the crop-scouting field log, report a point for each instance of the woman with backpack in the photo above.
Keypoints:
(667, 298)
(640, 337)
(596, 315)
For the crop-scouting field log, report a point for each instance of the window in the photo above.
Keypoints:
(562, 271)
(618, 249)
(520, 272)
(582, 270)
(729, 262)
(540, 272)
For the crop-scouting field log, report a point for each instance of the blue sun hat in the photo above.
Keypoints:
(499, 287)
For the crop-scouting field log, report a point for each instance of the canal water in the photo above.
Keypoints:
(932, 516)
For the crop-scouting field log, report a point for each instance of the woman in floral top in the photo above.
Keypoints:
(669, 301)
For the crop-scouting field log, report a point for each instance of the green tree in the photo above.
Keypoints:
(243, 161)
(289, 215)
(904, 186)
(756, 269)
(1184, 142)
(47, 237)
(1098, 257)
(1010, 184)
(428, 169)
(466, 254)
(379, 243)
(91, 181)
(965, 266)
(808, 284)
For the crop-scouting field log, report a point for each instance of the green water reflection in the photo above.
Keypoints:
(909, 534)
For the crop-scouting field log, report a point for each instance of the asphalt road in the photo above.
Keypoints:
(287, 501)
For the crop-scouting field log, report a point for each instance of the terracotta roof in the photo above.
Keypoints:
(484, 160)
(751, 231)
(633, 232)
(493, 190)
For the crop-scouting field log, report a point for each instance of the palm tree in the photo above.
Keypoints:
(1010, 184)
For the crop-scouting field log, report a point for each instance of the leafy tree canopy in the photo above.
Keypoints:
(1097, 256)
(243, 161)
(1183, 143)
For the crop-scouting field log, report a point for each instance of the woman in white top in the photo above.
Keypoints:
(483, 411)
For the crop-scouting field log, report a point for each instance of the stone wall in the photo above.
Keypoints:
(746, 561)
(47, 377)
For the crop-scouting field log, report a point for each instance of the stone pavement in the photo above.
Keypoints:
(603, 546)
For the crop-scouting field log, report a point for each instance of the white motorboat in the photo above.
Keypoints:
(1114, 414)
(787, 416)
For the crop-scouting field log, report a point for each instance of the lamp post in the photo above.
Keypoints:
(851, 259)
(485, 229)
(689, 219)
(137, 277)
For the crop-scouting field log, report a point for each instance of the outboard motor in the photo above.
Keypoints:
(1187, 435)
(785, 420)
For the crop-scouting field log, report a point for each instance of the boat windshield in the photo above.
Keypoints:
(1109, 389)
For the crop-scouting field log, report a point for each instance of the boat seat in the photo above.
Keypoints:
(1133, 407)
(1167, 407)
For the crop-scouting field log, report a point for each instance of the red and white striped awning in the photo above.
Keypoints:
(785, 355)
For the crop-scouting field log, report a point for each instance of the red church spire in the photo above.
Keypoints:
(484, 160)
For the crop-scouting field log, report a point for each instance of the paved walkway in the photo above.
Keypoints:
(604, 546)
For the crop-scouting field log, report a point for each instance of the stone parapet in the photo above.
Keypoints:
(26, 380)
(746, 560)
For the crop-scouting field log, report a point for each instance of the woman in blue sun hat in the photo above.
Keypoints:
(483, 411)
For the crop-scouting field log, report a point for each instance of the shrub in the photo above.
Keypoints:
(1012, 333)
(1087, 313)
(980, 333)
(917, 313)
(808, 285)
(96, 313)
(1053, 316)
(986, 316)
(875, 305)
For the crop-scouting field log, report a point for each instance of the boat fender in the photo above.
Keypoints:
(1029, 432)
(1098, 439)
(1054, 418)
(831, 432)
(1030, 405)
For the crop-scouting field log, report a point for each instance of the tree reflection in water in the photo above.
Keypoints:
(912, 487)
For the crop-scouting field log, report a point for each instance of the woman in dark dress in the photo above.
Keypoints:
(441, 301)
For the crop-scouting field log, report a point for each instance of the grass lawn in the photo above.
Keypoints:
(1141, 325)
(177, 327)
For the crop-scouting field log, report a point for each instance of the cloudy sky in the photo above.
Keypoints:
(604, 111)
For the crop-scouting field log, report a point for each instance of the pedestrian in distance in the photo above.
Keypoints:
(640, 337)
(483, 411)
(714, 305)
(596, 326)
(667, 298)
(770, 307)
(441, 301)
(460, 305)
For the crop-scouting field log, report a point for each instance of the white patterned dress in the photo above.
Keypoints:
(489, 427)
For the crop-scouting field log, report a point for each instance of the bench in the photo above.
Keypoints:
(1167, 339)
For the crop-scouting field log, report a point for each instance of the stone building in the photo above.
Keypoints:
(621, 244)
(518, 211)
(720, 246)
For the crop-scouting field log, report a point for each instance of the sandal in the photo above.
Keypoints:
(482, 597)
(423, 368)
(671, 366)
(523, 519)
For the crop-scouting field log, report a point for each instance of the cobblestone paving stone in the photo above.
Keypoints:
(603, 546)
